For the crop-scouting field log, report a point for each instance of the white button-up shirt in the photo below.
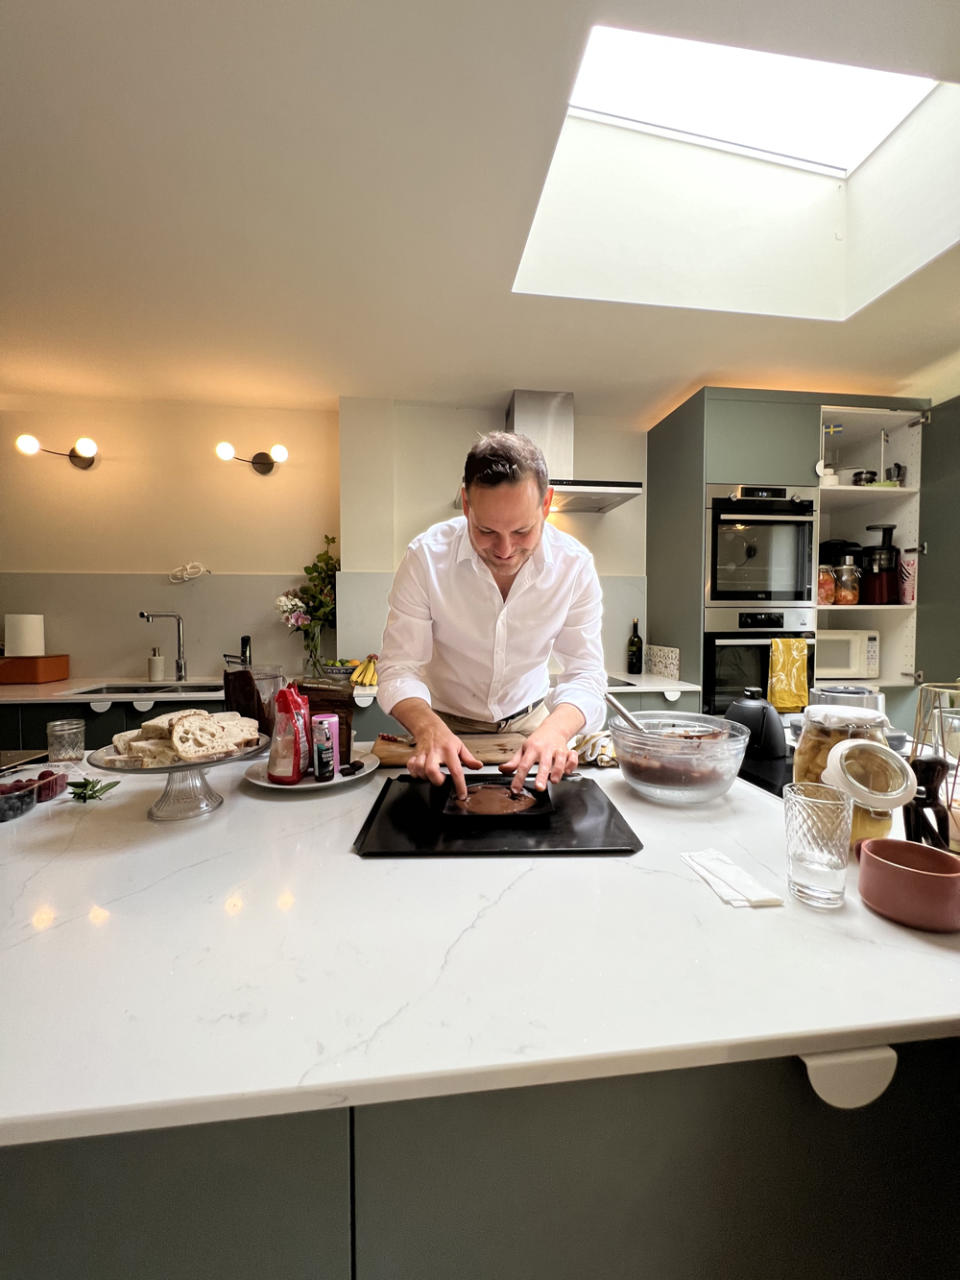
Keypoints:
(452, 640)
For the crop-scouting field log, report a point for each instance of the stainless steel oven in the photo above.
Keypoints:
(736, 650)
(760, 545)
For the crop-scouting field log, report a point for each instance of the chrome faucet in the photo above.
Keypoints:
(181, 660)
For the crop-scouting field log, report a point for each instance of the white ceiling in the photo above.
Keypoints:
(286, 201)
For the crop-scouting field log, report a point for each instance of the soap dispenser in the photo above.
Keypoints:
(155, 665)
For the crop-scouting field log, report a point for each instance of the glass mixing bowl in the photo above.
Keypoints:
(684, 758)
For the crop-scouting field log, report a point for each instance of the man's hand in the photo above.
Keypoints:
(546, 749)
(436, 745)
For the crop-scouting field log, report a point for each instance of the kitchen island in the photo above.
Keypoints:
(434, 1054)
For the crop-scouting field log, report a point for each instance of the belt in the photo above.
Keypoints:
(517, 715)
(465, 725)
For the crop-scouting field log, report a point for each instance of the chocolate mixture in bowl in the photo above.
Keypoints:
(489, 798)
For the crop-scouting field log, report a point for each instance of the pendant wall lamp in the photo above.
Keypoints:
(262, 463)
(82, 455)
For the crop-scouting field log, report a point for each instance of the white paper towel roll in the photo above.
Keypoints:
(23, 635)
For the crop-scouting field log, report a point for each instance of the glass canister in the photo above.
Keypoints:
(878, 780)
(65, 739)
(824, 725)
(826, 585)
(847, 583)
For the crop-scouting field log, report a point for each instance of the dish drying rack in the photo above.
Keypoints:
(936, 732)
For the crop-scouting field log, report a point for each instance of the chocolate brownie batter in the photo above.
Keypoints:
(490, 798)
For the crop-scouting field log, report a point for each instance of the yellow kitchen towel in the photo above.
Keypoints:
(787, 686)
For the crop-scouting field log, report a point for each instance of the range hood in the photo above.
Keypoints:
(547, 418)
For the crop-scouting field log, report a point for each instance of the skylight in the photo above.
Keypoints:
(796, 111)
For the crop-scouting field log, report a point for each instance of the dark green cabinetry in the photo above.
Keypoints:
(737, 1170)
(24, 726)
(770, 441)
(265, 1199)
(938, 597)
(734, 1171)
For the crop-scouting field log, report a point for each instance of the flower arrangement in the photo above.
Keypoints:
(311, 608)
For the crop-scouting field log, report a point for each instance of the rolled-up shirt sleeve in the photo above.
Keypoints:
(407, 643)
(578, 649)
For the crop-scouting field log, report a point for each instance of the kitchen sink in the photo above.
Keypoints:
(141, 690)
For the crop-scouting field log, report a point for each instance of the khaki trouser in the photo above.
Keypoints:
(525, 722)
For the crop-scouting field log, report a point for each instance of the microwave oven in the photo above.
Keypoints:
(848, 655)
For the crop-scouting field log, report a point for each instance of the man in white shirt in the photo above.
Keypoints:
(478, 606)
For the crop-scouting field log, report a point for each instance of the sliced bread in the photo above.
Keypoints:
(154, 752)
(200, 737)
(160, 726)
(122, 740)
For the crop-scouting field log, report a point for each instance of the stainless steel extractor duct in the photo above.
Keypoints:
(547, 418)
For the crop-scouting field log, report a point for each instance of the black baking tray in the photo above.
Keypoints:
(407, 819)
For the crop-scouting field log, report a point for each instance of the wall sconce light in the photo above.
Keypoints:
(262, 463)
(82, 455)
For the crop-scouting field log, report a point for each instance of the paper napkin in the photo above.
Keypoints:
(735, 886)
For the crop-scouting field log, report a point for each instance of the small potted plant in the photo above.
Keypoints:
(311, 609)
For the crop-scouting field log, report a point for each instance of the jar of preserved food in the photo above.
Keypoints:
(877, 778)
(824, 725)
(848, 583)
(826, 585)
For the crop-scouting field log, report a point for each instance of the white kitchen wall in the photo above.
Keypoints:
(158, 495)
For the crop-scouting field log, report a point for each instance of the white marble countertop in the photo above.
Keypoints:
(248, 963)
(77, 689)
(620, 682)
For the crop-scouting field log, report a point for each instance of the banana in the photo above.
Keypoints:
(357, 675)
(365, 673)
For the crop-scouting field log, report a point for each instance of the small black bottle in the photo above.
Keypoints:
(246, 653)
(635, 651)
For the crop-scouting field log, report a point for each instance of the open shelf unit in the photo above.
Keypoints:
(873, 440)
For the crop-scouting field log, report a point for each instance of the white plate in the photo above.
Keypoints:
(257, 774)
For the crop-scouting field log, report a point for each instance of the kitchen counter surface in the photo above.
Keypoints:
(618, 681)
(248, 963)
(77, 689)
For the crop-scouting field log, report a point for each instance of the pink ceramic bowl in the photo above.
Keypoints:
(911, 883)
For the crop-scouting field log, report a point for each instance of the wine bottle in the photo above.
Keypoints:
(635, 651)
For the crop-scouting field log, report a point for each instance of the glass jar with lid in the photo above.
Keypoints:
(877, 778)
(847, 589)
(824, 725)
(826, 584)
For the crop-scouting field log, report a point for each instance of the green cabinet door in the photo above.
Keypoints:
(733, 1172)
(761, 442)
(265, 1199)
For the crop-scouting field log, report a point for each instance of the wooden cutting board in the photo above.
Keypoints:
(491, 748)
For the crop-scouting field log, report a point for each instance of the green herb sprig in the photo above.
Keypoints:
(90, 789)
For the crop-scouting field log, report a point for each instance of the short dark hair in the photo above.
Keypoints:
(505, 457)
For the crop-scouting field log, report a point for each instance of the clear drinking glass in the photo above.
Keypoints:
(65, 739)
(817, 819)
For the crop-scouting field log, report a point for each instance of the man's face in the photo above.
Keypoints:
(505, 523)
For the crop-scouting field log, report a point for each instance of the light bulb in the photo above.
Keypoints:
(278, 453)
(28, 444)
(225, 450)
(86, 447)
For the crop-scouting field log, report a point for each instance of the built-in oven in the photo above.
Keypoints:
(760, 545)
(737, 645)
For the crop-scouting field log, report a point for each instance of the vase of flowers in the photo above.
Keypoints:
(311, 608)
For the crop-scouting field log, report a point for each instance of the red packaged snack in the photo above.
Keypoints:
(290, 745)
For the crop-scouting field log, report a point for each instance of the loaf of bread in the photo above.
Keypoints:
(177, 737)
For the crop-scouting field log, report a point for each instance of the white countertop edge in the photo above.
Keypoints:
(648, 684)
(75, 690)
(453, 1081)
